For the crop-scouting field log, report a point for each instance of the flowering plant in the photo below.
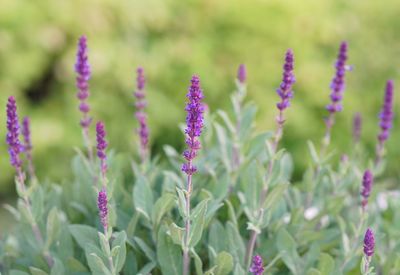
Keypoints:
(227, 205)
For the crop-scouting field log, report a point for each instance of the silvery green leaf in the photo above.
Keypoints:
(227, 120)
(274, 195)
(97, 265)
(105, 246)
(143, 197)
(146, 270)
(223, 146)
(224, 262)
(52, 227)
(326, 264)
(239, 270)
(198, 264)
(253, 185)
(75, 265)
(235, 243)
(163, 205)
(58, 268)
(176, 234)
(288, 249)
(150, 254)
(231, 212)
(130, 267)
(182, 202)
(246, 121)
(169, 255)
(18, 272)
(172, 180)
(198, 219)
(84, 235)
(313, 271)
(258, 145)
(119, 259)
(217, 236)
(37, 271)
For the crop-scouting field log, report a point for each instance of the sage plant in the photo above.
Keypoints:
(386, 121)
(194, 125)
(141, 116)
(82, 69)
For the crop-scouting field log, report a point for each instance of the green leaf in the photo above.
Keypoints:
(169, 255)
(52, 227)
(239, 270)
(176, 234)
(313, 271)
(17, 272)
(326, 264)
(198, 220)
(224, 262)
(163, 205)
(97, 265)
(313, 152)
(58, 268)
(235, 243)
(227, 121)
(105, 246)
(287, 248)
(246, 121)
(37, 271)
(143, 197)
(75, 265)
(182, 202)
(119, 259)
(146, 249)
(84, 235)
(146, 270)
(274, 196)
(198, 264)
(217, 236)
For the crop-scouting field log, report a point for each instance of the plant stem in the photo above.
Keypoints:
(88, 144)
(186, 258)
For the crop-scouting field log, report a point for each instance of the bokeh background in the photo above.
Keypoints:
(172, 39)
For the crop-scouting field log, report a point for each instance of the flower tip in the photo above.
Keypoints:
(369, 243)
(242, 73)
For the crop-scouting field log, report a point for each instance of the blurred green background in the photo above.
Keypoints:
(172, 39)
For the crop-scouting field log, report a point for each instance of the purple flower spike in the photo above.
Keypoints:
(337, 84)
(369, 243)
(357, 123)
(143, 130)
(194, 124)
(101, 146)
(26, 133)
(288, 79)
(82, 69)
(102, 204)
(257, 267)
(242, 74)
(386, 115)
(14, 145)
(368, 180)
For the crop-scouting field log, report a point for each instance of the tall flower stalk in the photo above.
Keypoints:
(141, 116)
(82, 68)
(26, 133)
(14, 150)
(237, 100)
(285, 92)
(386, 121)
(367, 182)
(194, 125)
(337, 87)
(102, 197)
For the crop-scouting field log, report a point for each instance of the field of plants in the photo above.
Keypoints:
(199, 137)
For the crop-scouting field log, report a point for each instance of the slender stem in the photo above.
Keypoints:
(379, 153)
(186, 257)
(86, 139)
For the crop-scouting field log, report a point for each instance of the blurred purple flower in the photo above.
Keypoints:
(357, 124)
(368, 180)
(257, 267)
(242, 74)
(288, 79)
(194, 124)
(12, 139)
(102, 204)
(82, 69)
(101, 146)
(26, 133)
(337, 84)
(140, 114)
(386, 115)
(369, 243)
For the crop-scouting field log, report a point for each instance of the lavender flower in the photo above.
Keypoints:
(194, 122)
(386, 115)
(369, 243)
(337, 84)
(288, 79)
(367, 182)
(257, 267)
(242, 74)
(140, 114)
(82, 69)
(26, 133)
(357, 123)
(102, 204)
(101, 146)
(12, 139)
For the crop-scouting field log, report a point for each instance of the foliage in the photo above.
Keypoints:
(310, 226)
